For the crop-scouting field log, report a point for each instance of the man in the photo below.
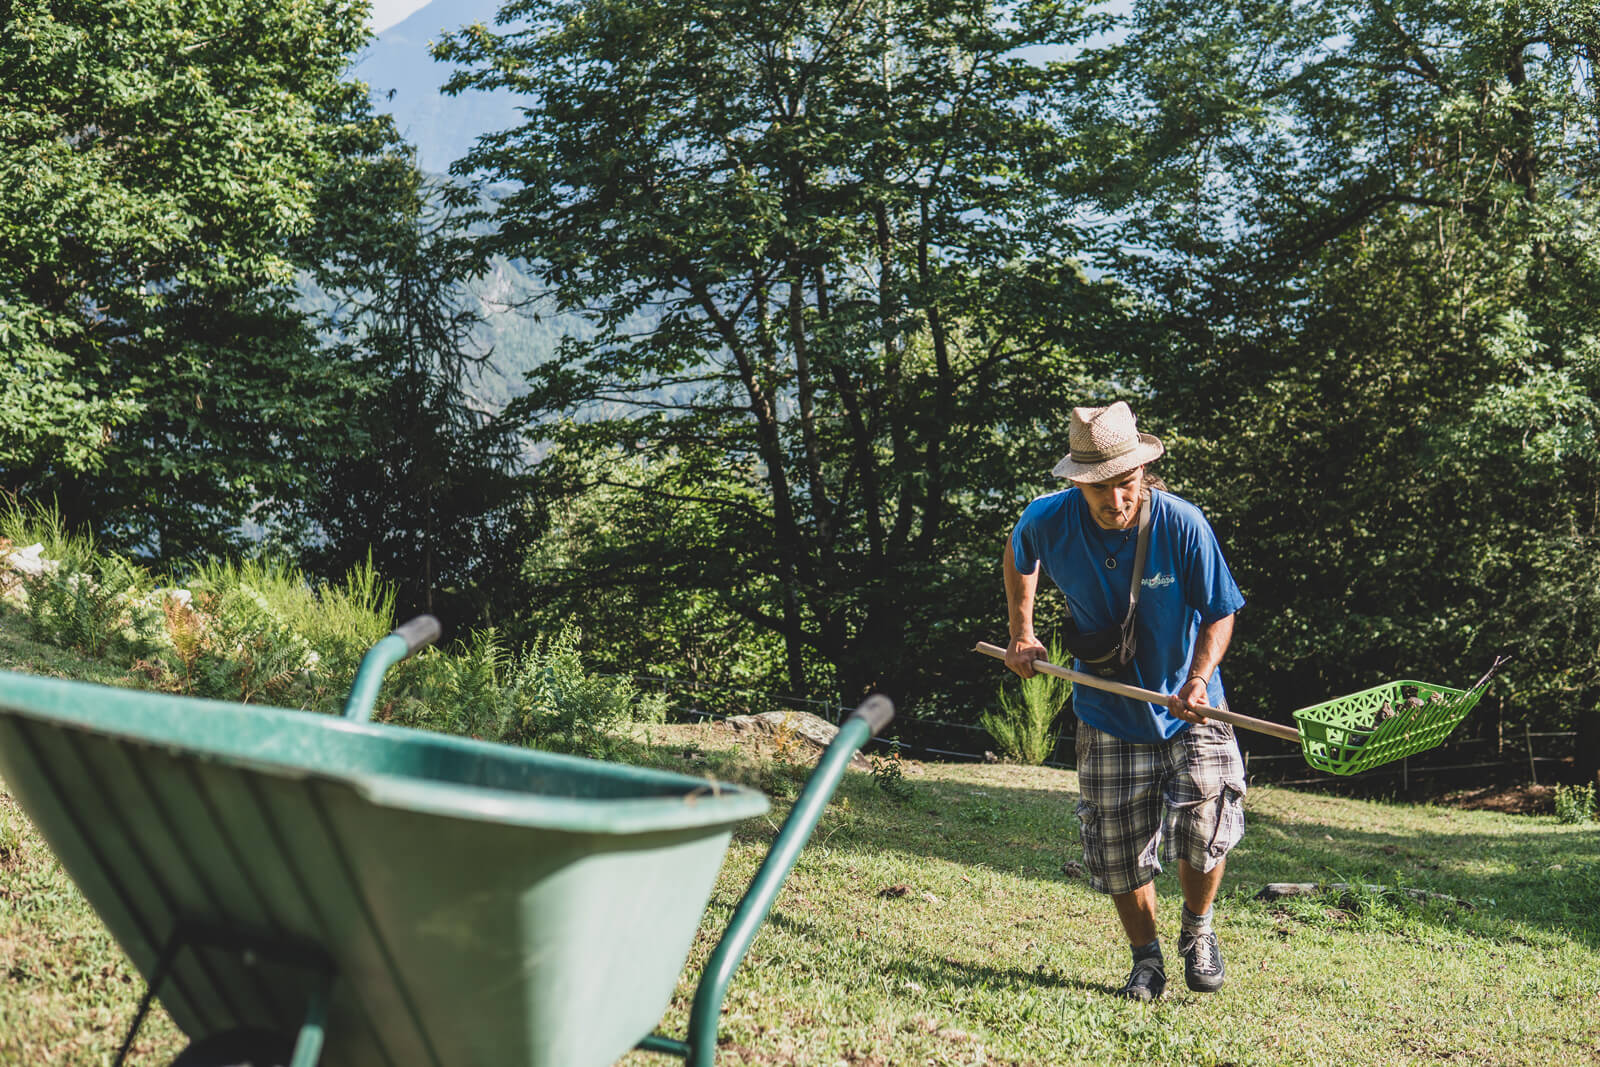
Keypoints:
(1151, 777)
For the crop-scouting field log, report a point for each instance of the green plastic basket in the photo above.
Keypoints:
(1350, 734)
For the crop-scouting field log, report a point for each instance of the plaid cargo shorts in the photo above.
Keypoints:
(1182, 798)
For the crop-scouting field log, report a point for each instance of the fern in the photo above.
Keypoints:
(1024, 727)
(94, 607)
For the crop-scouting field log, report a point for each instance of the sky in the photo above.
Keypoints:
(386, 13)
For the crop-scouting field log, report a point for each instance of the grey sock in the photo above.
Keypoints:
(1152, 951)
(1195, 925)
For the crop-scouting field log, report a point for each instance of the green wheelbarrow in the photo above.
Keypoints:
(305, 889)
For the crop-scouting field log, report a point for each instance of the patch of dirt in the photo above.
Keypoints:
(1511, 799)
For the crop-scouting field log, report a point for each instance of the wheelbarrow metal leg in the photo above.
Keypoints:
(669, 1046)
(308, 1043)
(159, 975)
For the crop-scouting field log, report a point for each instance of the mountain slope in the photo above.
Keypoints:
(405, 82)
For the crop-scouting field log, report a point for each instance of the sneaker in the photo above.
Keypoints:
(1147, 981)
(1202, 961)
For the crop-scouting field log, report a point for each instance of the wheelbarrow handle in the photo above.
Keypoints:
(705, 1013)
(407, 639)
(877, 711)
(1260, 726)
(418, 633)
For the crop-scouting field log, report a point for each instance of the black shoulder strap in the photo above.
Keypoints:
(1137, 577)
(1139, 555)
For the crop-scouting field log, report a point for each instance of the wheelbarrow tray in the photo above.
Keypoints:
(462, 903)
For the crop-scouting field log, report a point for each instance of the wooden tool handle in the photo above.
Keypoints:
(1260, 726)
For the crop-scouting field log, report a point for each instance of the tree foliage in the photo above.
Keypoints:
(843, 269)
(828, 249)
(158, 162)
(1377, 273)
(430, 492)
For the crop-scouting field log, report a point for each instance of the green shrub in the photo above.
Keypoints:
(98, 606)
(542, 697)
(1575, 803)
(79, 600)
(888, 773)
(558, 706)
(785, 770)
(39, 524)
(258, 629)
(343, 620)
(277, 588)
(1024, 727)
(254, 654)
(463, 692)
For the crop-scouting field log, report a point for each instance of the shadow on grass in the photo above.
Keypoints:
(1512, 882)
(930, 971)
(1548, 881)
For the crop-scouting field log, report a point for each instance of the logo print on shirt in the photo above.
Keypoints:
(1159, 581)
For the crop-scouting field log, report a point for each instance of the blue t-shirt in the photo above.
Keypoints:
(1186, 583)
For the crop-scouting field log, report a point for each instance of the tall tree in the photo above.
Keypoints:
(1375, 260)
(158, 161)
(431, 495)
(828, 251)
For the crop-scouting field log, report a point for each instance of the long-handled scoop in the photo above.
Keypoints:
(1345, 735)
(1261, 726)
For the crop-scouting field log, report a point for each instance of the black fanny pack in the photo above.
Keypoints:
(1107, 652)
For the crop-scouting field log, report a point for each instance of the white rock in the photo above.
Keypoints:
(30, 560)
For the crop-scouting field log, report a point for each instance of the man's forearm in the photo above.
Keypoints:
(1210, 645)
(1020, 591)
(1023, 647)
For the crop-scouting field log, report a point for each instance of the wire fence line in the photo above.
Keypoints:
(835, 711)
(1516, 754)
(1518, 757)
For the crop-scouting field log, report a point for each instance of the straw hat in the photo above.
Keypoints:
(1105, 443)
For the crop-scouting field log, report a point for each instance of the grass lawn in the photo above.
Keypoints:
(942, 929)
